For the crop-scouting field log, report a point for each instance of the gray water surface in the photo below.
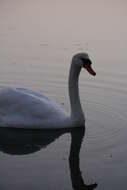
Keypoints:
(37, 42)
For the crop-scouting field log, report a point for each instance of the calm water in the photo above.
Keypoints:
(37, 42)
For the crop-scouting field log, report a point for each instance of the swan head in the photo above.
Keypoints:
(82, 60)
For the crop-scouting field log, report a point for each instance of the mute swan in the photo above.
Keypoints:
(23, 108)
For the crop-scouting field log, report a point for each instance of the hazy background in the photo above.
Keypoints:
(98, 26)
(37, 41)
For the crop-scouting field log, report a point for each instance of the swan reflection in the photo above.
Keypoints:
(20, 142)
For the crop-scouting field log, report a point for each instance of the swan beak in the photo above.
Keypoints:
(90, 69)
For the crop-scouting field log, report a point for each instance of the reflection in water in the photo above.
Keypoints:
(77, 180)
(20, 142)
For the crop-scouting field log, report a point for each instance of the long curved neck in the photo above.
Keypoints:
(76, 109)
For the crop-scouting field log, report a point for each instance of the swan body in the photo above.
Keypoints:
(27, 109)
(23, 108)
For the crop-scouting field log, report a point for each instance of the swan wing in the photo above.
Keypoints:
(20, 106)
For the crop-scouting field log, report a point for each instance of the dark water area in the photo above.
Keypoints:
(37, 42)
(25, 142)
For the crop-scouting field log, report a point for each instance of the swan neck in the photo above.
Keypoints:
(76, 109)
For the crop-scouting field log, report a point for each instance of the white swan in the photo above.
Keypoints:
(22, 108)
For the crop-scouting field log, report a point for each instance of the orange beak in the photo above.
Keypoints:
(90, 69)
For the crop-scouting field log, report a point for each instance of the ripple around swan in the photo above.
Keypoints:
(106, 116)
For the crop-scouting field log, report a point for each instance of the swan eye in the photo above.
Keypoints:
(86, 62)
